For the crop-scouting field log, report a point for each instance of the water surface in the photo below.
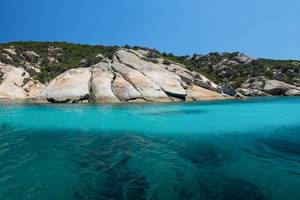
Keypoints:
(211, 150)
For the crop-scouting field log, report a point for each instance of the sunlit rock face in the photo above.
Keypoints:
(16, 83)
(197, 93)
(129, 76)
(147, 89)
(70, 86)
(102, 80)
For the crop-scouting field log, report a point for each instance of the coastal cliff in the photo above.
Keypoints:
(69, 73)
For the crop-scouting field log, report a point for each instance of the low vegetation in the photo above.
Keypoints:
(230, 67)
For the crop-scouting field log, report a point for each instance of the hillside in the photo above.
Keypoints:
(234, 73)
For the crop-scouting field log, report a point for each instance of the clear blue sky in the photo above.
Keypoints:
(260, 28)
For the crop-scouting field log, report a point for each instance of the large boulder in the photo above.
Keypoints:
(11, 51)
(253, 87)
(16, 83)
(147, 88)
(169, 82)
(227, 89)
(196, 93)
(204, 82)
(251, 92)
(293, 92)
(123, 90)
(31, 56)
(70, 86)
(275, 87)
(260, 86)
(55, 51)
(5, 58)
(101, 83)
(243, 59)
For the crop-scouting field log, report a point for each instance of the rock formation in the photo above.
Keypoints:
(70, 86)
(127, 77)
(76, 73)
(16, 83)
(261, 86)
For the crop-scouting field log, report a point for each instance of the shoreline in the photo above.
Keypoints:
(42, 101)
(8, 102)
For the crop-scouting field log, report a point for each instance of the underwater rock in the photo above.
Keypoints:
(233, 189)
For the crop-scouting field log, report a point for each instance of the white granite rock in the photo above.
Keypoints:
(101, 83)
(16, 83)
(169, 82)
(196, 93)
(147, 88)
(70, 86)
(124, 90)
(275, 87)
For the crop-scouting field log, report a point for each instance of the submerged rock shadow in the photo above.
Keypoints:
(108, 154)
(284, 143)
(228, 188)
(175, 112)
(111, 159)
(196, 150)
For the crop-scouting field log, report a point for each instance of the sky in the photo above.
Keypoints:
(259, 28)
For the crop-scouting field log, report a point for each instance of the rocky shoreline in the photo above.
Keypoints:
(126, 76)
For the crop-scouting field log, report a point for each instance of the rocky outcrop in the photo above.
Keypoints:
(253, 87)
(197, 93)
(16, 83)
(235, 68)
(185, 75)
(251, 92)
(144, 74)
(169, 82)
(242, 58)
(130, 76)
(293, 92)
(11, 50)
(227, 89)
(102, 79)
(275, 87)
(260, 86)
(70, 86)
(55, 51)
(124, 90)
(31, 56)
(149, 90)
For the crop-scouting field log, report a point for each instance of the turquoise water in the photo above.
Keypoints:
(211, 151)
